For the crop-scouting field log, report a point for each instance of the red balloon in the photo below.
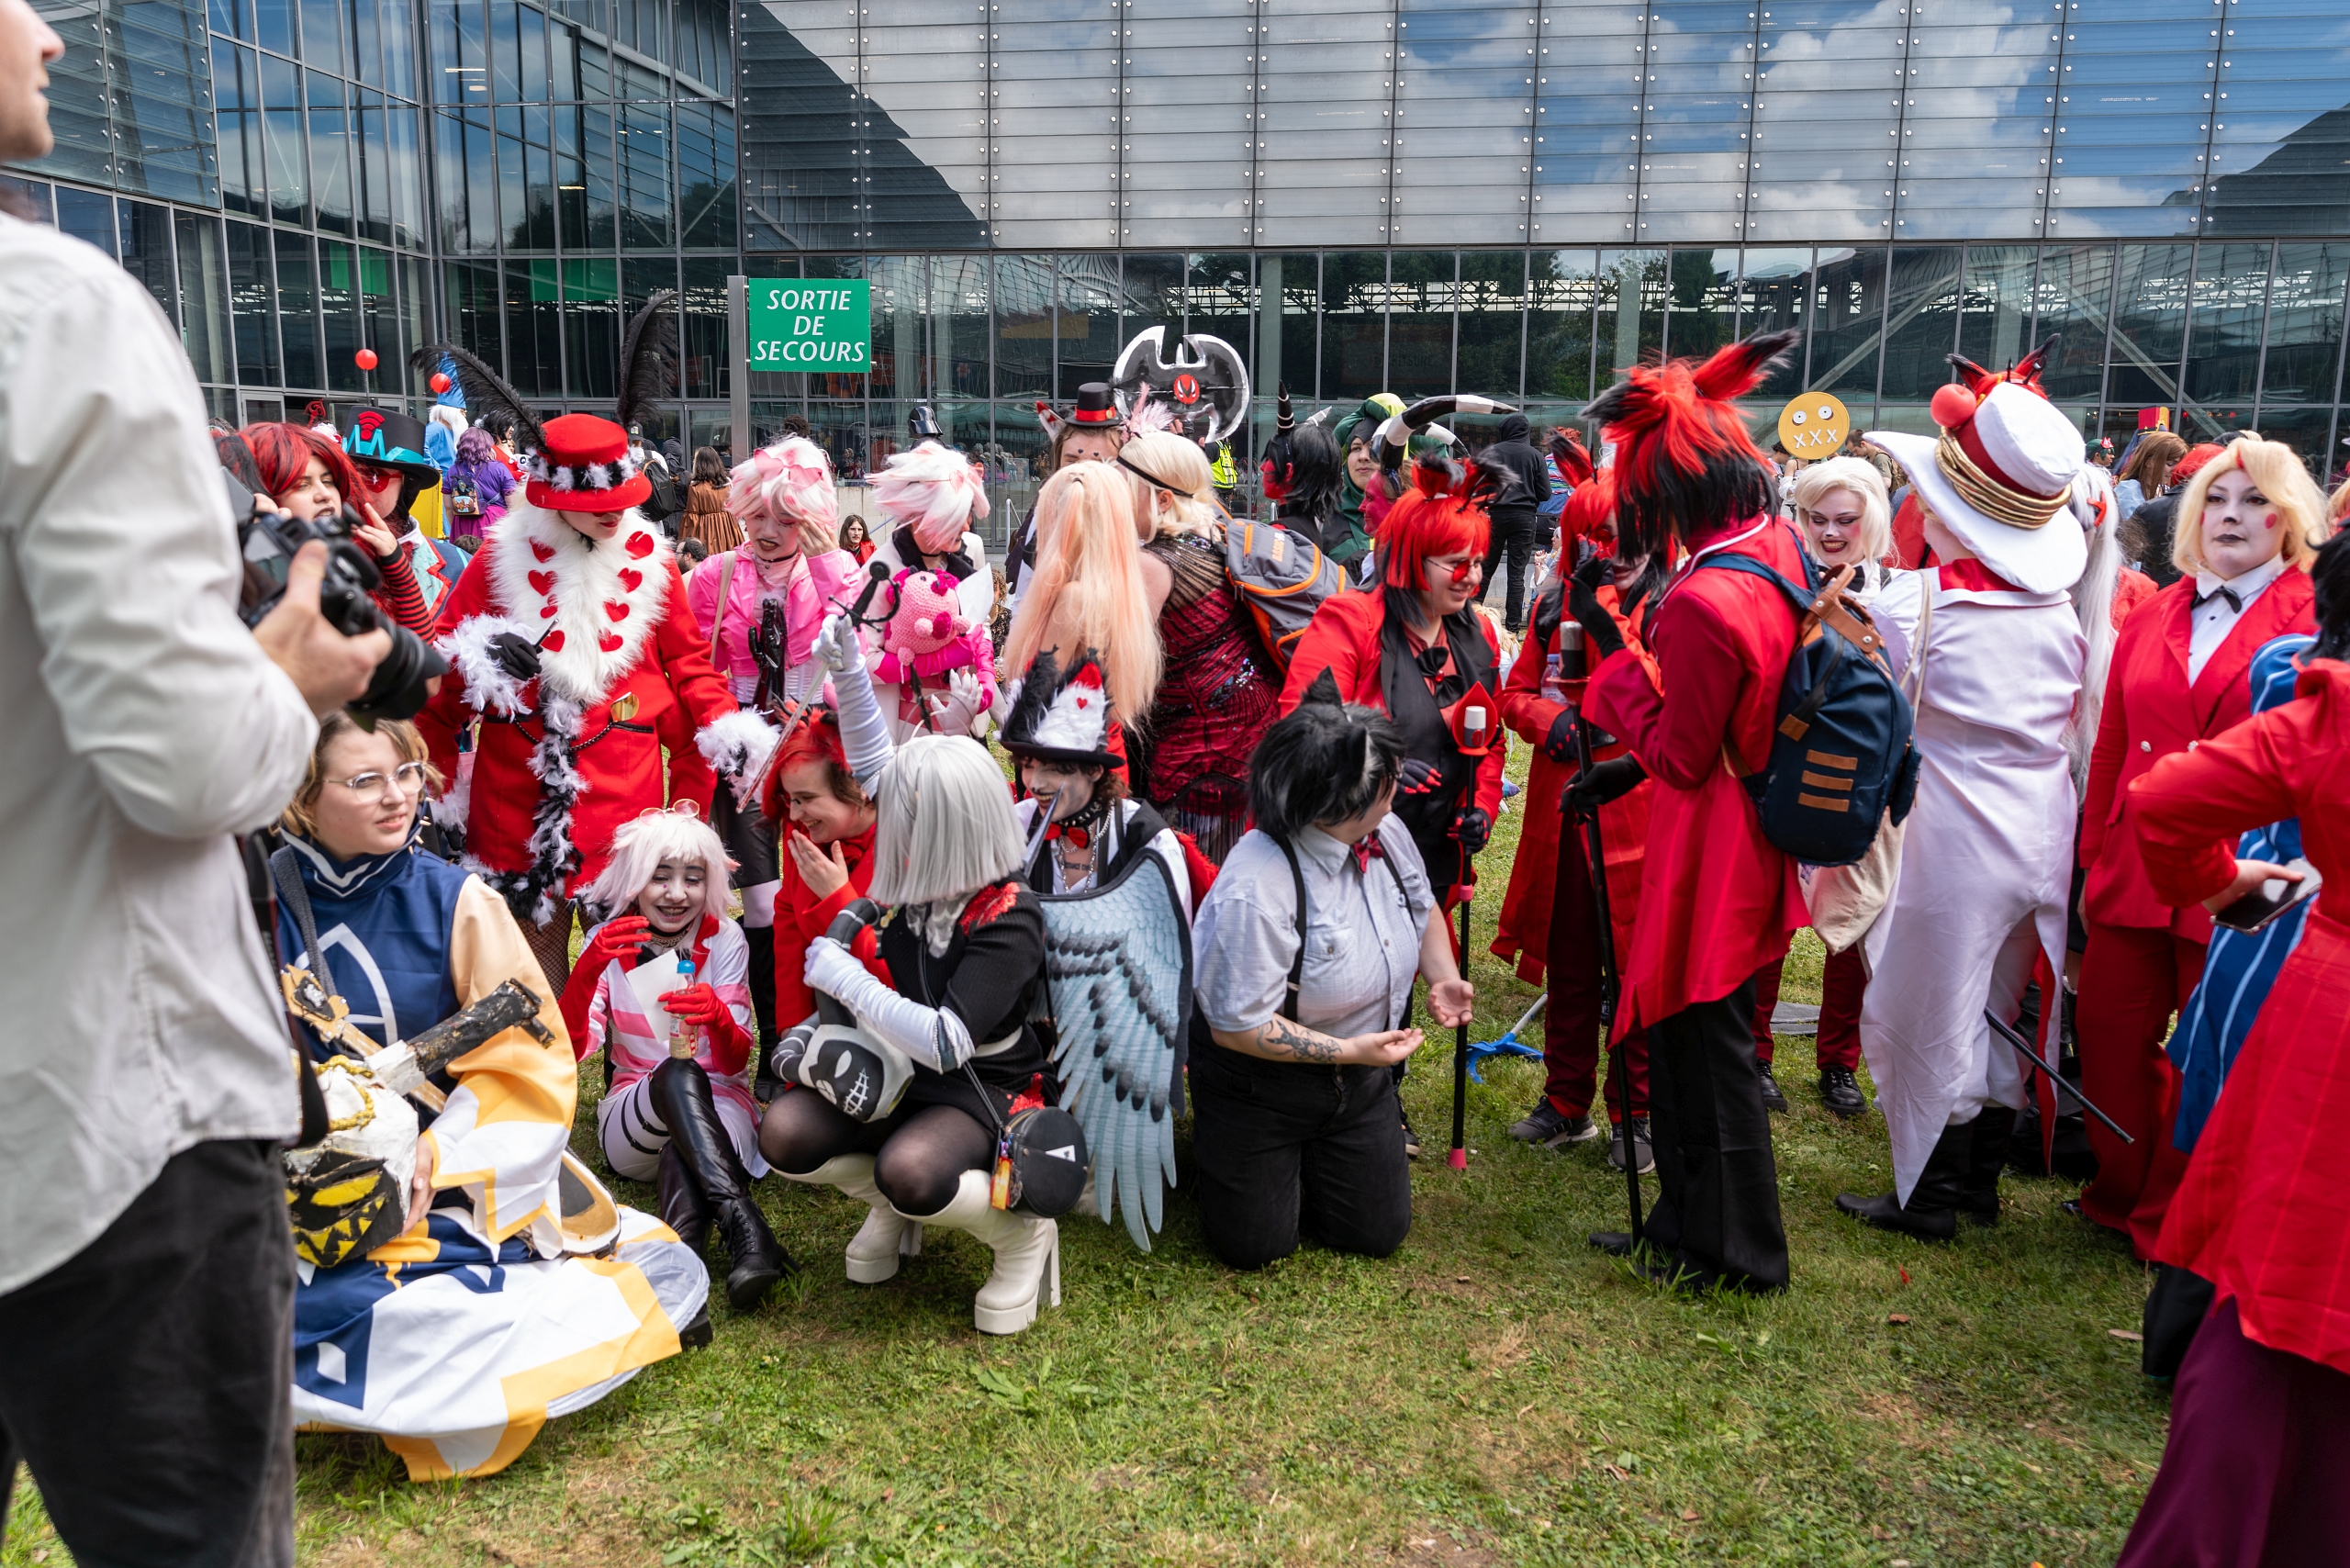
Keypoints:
(364, 359)
(439, 382)
(1953, 406)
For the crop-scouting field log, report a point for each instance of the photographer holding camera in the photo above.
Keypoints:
(146, 1268)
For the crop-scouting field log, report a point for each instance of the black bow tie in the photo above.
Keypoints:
(2234, 603)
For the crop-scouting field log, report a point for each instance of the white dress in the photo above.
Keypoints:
(1986, 859)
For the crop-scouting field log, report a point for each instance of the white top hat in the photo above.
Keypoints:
(1999, 479)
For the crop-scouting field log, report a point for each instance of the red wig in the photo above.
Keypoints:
(283, 452)
(1684, 461)
(817, 740)
(1433, 517)
(1590, 514)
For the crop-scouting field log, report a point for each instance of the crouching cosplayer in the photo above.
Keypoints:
(950, 987)
(663, 987)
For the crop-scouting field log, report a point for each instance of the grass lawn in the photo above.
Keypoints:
(1497, 1392)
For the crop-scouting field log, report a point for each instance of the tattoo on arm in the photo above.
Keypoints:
(1280, 1034)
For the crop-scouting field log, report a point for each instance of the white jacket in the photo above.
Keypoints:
(143, 726)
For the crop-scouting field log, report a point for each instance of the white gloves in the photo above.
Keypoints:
(958, 711)
(932, 1036)
(865, 736)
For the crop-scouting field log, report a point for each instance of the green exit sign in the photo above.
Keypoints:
(822, 325)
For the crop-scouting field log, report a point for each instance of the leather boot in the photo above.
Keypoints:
(1027, 1256)
(681, 1094)
(683, 1208)
(885, 1237)
(1931, 1213)
(1987, 1155)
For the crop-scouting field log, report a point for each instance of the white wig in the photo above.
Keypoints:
(448, 417)
(932, 487)
(643, 843)
(2093, 507)
(1812, 486)
(945, 828)
(790, 482)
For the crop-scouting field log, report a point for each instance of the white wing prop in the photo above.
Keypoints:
(1119, 960)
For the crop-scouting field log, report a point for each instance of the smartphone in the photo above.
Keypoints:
(2258, 908)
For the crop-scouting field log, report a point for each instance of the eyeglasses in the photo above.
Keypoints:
(408, 775)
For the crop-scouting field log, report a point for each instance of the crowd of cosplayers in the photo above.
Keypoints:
(727, 817)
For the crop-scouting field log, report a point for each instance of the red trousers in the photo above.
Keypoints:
(1842, 983)
(1571, 1020)
(2132, 980)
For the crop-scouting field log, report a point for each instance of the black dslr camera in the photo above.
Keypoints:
(267, 540)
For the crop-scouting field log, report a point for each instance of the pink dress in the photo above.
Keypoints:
(818, 584)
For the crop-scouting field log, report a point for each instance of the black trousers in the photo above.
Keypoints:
(148, 1380)
(1719, 1216)
(761, 940)
(1512, 534)
(1283, 1146)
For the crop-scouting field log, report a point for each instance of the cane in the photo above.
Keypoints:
(1459, 1158)
(2033, 1056)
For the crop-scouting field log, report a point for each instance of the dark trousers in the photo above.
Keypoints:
(1280, 1147)
(1719, 1216)
(1512, 535)
(1571, 1019)
(148, 1380)
(761, 940)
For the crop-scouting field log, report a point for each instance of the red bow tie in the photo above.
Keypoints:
(1076, 836)
(1366, 849)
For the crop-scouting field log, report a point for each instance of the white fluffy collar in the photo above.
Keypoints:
(604, 600)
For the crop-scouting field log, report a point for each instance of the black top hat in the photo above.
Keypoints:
(1095, 406)
(390, 439)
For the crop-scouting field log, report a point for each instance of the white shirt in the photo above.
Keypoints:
(144, 726)
(2210, 622)
(1362, 936)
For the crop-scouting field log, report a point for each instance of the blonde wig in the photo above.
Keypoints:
(301, 817)
(1088, 590)
(1810, 489)
(1165, 461)
(2338, 503)
(2278, 470)
(945, 827)
(936, 490)
(790, 482)
(678, 835)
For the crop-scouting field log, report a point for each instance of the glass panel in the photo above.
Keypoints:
(288, 158)
(473, 304)
(274, 23)
(2074, 300)
(2230, 300)
(706, 173)
(1703, 301)
(591, 324)
(1354, 325)
(1561, 294)
(415, 298)
(645, 179)
(1491, 326)
(1774, 295)
(505, 52)
(513, 196)
(836, 384)
(147, 252)
(1419, 322)
(204, 298)
(1187, 187)
(323, 36)
(1995, 305)
(1922, 327)
(252, 296)
(232, 16)
(2134, 105)
(1218, 300)
(538, 166)
(2150, 324)
(297, 304)
(329, 155)
(901, 287)
(1024, 322)
(1151, 296)
(1628, 320)
(399, 50)
(374, 168)
(2278, 143)
(366, 24)
(1087, 328)
(1975, 124)
(245, 173)
(1587, 127)
(2304, 321)
(339, 304)
(1323, 113)
(447, 78)
(959, 328)
(1848, 325)
(406, 174)
(1827, 129)
(707, 366)
(533, 328)
(158, 60)
(2308, 432)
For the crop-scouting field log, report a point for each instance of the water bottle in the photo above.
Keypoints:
(682, 1037)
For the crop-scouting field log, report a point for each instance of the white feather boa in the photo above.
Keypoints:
(737, 747)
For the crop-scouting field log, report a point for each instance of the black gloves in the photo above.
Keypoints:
(1603, 782)
(1582, 603)
(1558, 745)
(516, 654)
(1414, 776)
(1473, 827)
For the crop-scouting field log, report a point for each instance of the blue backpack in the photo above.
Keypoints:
(1841, 758)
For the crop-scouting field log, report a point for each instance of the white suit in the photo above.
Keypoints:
(1986, 857)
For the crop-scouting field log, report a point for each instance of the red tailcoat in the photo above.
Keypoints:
(2263, 1211)
(1716, 901)
(625, 662)
(1525, 926)
(2149, 712)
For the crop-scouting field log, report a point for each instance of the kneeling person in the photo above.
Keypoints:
(1307, 946)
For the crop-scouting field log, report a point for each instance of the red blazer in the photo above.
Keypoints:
(1344, 638)
(1718, 901)
(2149, 712)
(1524, 930)
(2263, 1212)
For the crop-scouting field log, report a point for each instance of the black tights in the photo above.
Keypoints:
(919, 1152)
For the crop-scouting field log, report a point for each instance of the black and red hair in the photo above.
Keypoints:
(1590, 514)
(817, 740)
(1440, 513)
(282, 452)
(1684, 462)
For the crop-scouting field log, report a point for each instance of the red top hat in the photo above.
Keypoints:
(582, 464)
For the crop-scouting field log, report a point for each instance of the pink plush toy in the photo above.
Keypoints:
(927, 638)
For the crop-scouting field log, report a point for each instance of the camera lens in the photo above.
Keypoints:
(398, 690)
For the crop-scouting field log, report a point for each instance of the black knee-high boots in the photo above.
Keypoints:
(706, 1155)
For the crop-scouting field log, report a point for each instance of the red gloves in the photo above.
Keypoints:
(730, 1043)
(614, 939)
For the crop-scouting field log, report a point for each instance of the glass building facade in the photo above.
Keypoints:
(1415, 196)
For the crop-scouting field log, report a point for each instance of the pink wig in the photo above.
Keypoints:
(790, 482)
(933, 488)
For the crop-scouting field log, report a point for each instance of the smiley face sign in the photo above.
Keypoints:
(1814, 425)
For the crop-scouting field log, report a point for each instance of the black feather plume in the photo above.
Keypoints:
(648, 358)
(488, 398)
(1035, 696)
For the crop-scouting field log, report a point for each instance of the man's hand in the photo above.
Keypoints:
(1582, 603)
(329, 668)
(1603, 782)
